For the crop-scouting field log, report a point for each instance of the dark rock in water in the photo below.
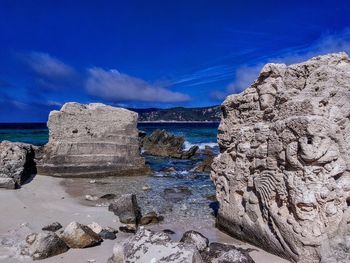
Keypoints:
(127, 209)
(205, 165)
(92, 140)
(52, 227)
(149, 246)
(169, 231)
(105, 234)
(16, 164)
(76, 235)
(212, 198)
(195, 238)
(169, 170)
(142, 134)
(128, 229)
(108, 196)
(151, 218)
(162, 143)
(45, 245)
(177, 193)
(222, 253)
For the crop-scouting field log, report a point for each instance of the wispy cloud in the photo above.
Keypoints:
(113, 86)
(47, 66)
(246, 74)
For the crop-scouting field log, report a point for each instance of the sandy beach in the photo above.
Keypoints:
(44, 200)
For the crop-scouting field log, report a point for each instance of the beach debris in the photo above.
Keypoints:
(17, 164)
(52, 227)
(147, 245)
(80, 236)
(195, 238)
(127, 209)
(162, 143)
(45, 244)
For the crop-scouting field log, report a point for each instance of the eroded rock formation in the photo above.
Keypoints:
(92, 140)
(282, 177)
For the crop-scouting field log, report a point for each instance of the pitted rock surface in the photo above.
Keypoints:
(92, 140)
(282, 176)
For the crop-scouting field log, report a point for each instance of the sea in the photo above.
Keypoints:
(181, 196)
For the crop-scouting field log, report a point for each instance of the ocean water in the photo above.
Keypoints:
(181, 196)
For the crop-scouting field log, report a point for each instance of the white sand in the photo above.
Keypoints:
(44, 201)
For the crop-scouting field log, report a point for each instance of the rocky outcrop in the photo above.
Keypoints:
(149, 246)
(162, 143)
(16, 164)
(205, 165)
(282, 177)
(76, 235)
(92, 140)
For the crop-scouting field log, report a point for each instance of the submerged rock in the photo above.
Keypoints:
(92, 140)
(80, 236)
(177, 193)
(127, 209)
(16, 163)
(282, 177)
(47, 244)
(162, 143)
(149, 246)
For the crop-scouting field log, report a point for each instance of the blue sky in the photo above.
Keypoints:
(152, 53)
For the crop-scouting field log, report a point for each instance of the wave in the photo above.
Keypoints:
(188, 145)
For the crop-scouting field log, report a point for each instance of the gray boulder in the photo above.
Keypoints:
(195, 238)
(282, 177)
(92, 140)
(223, 253)
(76, 235)
(16, 164)
(162, 143)
(52, 227)
(46, 244)
(127, 209)
(148, 246)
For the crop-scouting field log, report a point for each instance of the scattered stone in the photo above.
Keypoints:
(95, 227)
(195, 238)
(105, 234)
(108, 196)
(127, 209)
(223, 253)
(149, 246)
(146, 188)
(176, 194)
(92, 140)
(128, 228)
(169, 231)
(80, 236)
(151, 218)
(282, 177)
(45, 245)
(91, 197)
(92, 181)
(162, 143)
(16, 164)
(52, 227)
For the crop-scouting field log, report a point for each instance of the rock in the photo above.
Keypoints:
(108, 196)
(282, 176)
(162, 143)
(169, 231)
(195, 238)
(47, 244)
(52, 227)
(205, 165)
(146, 188)
(105, 234)
(151, 218)
(128, 228)
(127, 209)
(148, 246)
(80, 236)
(177, 193)
(222, 253)
(95, 227)
(92, 140)
(91, 198)
(16, 163)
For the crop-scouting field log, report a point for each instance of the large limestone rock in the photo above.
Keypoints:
(282, 177)
(76, 235)
(92, 140)
(16, 163)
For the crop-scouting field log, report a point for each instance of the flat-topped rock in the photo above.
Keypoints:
(92, 140)
(282, 177)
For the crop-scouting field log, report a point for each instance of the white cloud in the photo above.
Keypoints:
(114, 86)
(47, 66)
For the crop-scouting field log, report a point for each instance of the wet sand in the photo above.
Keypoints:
(47, 199)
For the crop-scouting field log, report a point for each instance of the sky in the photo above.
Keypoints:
(141, 54)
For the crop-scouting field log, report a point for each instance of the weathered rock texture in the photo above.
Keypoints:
(282, 177)
(92, 140)
(16, 164)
